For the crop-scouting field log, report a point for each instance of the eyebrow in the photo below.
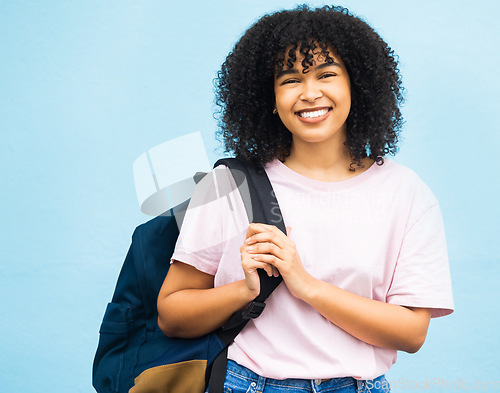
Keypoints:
(295, 71)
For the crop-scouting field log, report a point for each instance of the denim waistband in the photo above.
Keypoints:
(315, 385)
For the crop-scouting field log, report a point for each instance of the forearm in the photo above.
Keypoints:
(194, 312)
(374, 322)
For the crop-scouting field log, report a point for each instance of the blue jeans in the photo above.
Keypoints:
(239, 379)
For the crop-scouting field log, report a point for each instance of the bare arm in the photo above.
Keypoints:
(382, 324)
(189, 305)
(377, 323)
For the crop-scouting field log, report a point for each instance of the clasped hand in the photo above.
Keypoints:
(268, 248)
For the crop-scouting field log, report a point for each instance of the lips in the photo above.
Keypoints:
(313, 115)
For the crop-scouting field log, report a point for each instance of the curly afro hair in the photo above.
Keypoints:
(245, 84)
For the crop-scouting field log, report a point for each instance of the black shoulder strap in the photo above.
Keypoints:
(264, 206)
(261, 207)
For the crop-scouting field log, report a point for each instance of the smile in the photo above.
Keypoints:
(313, 114)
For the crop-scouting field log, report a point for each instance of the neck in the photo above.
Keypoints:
(324, 162)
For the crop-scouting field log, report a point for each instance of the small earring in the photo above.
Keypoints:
(275, 111)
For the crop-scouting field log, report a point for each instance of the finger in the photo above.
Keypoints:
(259, 237)
(269, 270)
(252, 268)
(265, 248)
(250, 232)
(272, 261)
(277, 237)
(276, 272)
(251, 277)
(259, 227)
(254, 228)
(269, 259)
(250, 265)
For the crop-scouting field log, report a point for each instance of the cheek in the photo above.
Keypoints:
(282, 99)
(343, 96)
(348, 98)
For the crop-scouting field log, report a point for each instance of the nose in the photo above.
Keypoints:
(310, 91)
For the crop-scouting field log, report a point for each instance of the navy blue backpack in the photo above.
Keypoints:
(132, 350)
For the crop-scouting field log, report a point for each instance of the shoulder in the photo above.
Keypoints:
(397, 171)
(405, 180)
(210, 186)
(410, 195)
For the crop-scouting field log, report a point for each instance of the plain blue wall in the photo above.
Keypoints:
(88, 86)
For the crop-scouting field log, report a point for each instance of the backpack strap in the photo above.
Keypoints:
(264, 206)
(261, 208)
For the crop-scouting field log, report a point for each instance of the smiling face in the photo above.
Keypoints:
(314, 105)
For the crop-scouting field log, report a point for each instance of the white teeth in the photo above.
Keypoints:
(313, 114)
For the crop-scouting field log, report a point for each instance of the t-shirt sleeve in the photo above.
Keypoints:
(422, 275)
(207, 222)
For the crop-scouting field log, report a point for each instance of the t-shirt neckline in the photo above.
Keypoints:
(281, 169)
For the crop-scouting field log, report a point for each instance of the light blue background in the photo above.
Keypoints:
(88, 86)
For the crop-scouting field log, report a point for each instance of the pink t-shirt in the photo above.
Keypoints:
(379, 235)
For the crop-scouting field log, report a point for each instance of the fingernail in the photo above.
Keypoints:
(249, 249)
(248, 241)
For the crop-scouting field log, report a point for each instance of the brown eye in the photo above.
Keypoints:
(328, 75)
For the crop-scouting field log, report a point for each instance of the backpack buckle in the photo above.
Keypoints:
(253, 310)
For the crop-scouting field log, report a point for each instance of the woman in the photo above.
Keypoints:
(312, 95)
